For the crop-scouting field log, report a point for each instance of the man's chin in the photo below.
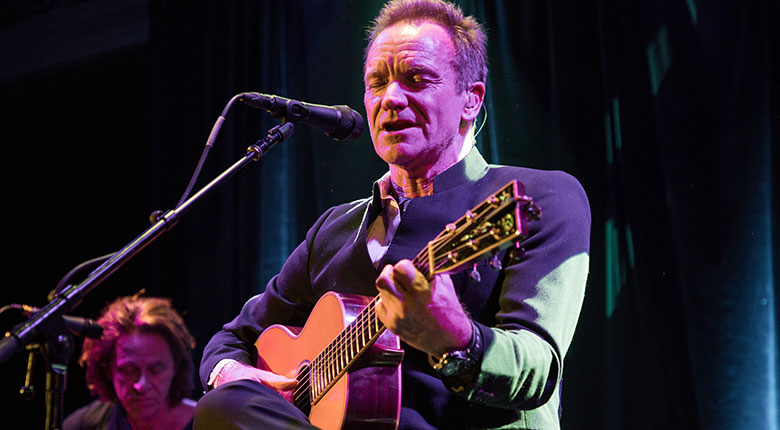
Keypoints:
(396, 152)
(143, 408)
(399, 159)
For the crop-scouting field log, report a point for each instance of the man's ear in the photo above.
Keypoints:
(475, 96)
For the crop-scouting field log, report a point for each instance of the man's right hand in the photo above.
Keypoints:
(235, 370)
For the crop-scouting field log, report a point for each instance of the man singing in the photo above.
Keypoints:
(483, 348)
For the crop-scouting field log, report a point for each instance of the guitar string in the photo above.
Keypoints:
(343, 364)
(478, 212)
(501, 201)
(335, 363)
(302, 389)
(349, 335)
(444, 258)
(345, 341)
(354, 331)
(500, 235)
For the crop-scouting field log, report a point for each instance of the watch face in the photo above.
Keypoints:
(457, 363)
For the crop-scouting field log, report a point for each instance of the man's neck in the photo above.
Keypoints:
(411, 187)
(420, 184)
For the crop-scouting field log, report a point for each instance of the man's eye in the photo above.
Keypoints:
(156, 370)
(377, 84)
(417, 80)
(126, 371)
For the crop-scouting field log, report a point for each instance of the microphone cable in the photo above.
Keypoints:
(209, 144)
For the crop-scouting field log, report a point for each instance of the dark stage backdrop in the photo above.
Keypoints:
(663, 109)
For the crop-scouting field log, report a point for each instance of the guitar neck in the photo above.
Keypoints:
(352, 342)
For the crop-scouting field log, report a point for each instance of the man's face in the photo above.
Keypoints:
(142, 374)
(414, 109)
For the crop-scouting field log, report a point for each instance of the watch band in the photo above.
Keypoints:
(457, 368)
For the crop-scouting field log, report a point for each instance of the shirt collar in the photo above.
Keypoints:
(469, 169)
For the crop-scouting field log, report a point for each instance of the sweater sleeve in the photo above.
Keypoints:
(540, 300)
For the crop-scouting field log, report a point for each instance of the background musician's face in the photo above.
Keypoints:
(413, 107)
(142, 373)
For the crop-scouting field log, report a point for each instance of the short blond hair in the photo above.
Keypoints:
(470, 62)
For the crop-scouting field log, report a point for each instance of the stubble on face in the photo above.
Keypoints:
(413, 105)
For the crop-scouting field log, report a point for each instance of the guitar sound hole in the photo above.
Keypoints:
(302, 395)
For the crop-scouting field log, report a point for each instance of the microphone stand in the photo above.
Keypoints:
(58, 346)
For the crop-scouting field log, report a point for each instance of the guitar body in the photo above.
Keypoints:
(368, 395)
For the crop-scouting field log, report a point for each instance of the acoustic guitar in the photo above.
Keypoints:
(346, 363)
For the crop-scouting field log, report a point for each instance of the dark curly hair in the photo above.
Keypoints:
(126, 315)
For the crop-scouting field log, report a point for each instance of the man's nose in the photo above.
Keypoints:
(141, 383)
(394, 97)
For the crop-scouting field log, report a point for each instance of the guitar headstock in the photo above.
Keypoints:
(498, 222)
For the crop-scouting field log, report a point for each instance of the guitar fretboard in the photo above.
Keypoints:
(345, 349)
(339, 355)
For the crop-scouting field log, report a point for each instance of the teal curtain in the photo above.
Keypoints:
(689, 250)
(663, 110)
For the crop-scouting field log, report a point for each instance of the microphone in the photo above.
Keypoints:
(79, 326)
(339, 122)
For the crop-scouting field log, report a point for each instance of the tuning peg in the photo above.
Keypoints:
(516, 253)
(495, 262)
(475, 273)
(534, 211)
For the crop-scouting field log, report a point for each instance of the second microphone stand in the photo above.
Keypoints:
(48, 321)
